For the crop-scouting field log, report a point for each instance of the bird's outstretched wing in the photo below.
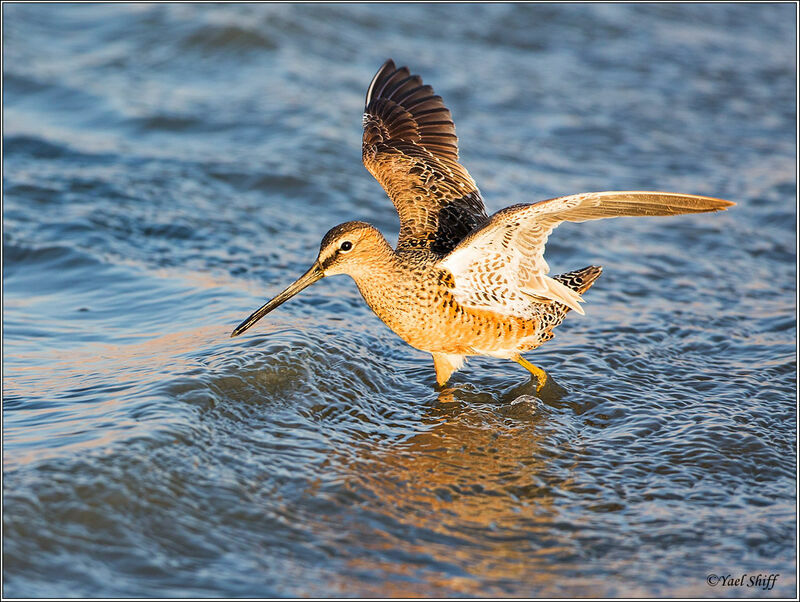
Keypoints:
(501, 266)
(410, 146)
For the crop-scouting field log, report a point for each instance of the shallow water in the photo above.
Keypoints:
(169, 167)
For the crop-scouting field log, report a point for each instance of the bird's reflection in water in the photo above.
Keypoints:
(473, 495)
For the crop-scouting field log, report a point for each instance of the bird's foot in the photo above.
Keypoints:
(547, 389)
(539, 374)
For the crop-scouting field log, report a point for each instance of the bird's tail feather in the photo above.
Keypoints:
(580, 280)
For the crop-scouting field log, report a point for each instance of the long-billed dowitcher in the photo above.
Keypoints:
(459, 283)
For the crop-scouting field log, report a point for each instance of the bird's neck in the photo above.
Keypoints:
(383, 265)
(381, 278)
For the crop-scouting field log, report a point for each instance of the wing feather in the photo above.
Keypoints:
(501, 266)
(411, 148)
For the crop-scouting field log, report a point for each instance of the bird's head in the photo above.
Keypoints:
(351, 248)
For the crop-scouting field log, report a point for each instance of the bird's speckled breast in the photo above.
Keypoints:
(416, 302)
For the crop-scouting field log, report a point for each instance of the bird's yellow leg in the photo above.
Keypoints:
(540, 374)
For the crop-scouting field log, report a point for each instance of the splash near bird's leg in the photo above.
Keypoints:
(540, 374)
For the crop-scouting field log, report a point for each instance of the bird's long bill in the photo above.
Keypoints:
(307, 279)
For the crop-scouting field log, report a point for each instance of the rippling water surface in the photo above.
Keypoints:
(169, 167)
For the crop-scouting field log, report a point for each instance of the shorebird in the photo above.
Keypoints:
(459, 283)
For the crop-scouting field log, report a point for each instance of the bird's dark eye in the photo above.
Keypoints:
(346, 246)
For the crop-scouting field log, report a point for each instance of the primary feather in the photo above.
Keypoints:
(411, 148)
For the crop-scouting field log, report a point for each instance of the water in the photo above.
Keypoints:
(170, 167)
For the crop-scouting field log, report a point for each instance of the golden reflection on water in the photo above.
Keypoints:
(41, 373)
(62, 383)
(472, 491)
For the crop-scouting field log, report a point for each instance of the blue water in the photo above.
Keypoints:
(167, 168)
